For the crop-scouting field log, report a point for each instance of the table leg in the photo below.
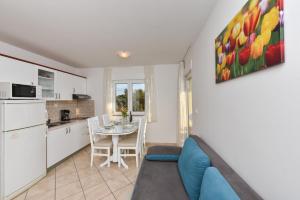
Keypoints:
(115, 141)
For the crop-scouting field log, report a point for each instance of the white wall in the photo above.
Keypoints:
(252, 121)
(165, 129)
(166, 82)
(14, 51)
(95, 87)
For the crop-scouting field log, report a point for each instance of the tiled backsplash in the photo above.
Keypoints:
(77, 109)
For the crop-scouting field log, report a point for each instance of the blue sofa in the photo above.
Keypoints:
(194, 172)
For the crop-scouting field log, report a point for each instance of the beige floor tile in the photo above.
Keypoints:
(109, 197)
(110, 172)
(117, 182)
(47, 184)
(68, 190)
(66, 179)
(131, 174)
(21, 196)
(48, 195)
(82, 163)
(90, 181)
(97, 192)
(124, 193)
(65, 168)
(78, 196)
(90, 171)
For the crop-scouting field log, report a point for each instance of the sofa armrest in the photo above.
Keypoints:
(163, 153)
(164, 150)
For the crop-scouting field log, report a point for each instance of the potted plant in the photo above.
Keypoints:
(124, 112)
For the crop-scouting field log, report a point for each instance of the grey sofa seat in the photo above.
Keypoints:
(159, 180)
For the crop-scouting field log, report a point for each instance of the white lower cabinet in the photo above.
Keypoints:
(66, 140)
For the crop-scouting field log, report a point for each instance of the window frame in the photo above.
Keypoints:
(130, 93)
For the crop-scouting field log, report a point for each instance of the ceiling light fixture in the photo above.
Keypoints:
(123, 54)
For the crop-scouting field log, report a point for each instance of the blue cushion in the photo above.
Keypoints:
(162, 157)
(214, 186)
(192, 163)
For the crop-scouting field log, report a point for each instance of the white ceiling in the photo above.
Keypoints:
(88, 33)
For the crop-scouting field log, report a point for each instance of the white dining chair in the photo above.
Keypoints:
(105, 120)
(131, 143)
(98, 143)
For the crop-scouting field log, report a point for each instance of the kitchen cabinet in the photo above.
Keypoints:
(65, 140)
(17, 72)
(78, 85)
(66, 85)
(46, 81)
(63, 86)
(59, 85)
(56, 85)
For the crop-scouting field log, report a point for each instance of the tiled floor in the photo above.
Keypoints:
(74, 179)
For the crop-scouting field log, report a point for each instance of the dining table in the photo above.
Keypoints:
(115, 131)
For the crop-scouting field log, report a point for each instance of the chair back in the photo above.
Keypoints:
(140, 133)
(93, 124)
(106, 120)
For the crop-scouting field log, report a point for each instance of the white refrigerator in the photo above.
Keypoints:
(22, 145)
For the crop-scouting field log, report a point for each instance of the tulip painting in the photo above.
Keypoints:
(252, 41)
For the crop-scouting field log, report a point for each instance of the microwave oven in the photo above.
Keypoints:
(19, 91)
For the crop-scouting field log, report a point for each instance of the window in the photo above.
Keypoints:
(129, 94)
(121, 94)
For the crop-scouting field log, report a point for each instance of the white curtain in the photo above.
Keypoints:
(182, 107)
(108, 92)
(150, 94)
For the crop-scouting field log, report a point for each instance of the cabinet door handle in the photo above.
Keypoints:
(59, 95)
(67, 131)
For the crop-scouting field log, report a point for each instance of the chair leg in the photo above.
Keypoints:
(137, 160)
(119, 157)
(92, 156)
(108, 157)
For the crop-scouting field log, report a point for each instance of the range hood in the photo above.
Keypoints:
(81, 96)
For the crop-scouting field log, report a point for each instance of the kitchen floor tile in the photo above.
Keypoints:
(117, 182)
(97, 192)
(109, 197)
(68, 190)
(48, 195)
(124, 193)
(66, 179)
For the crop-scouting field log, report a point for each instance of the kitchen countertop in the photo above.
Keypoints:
(68, 123)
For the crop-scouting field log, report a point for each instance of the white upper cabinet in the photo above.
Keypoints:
(56, 85)
(79, 85)
(63, 86)
(17, 71)
(66, 85)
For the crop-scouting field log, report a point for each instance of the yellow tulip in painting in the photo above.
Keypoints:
(252, 41)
